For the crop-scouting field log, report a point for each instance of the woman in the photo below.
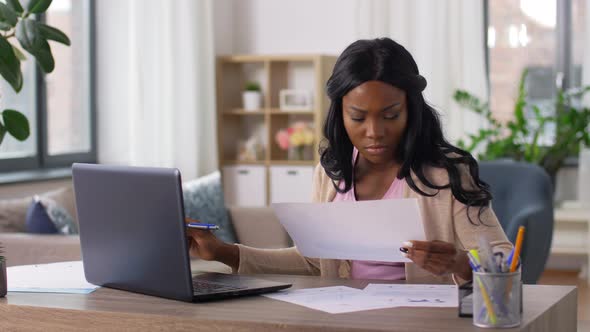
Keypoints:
(385, 142)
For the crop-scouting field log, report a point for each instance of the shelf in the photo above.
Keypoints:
(243, 162)
(569, 251)
(572, 216)
(247, 58)
(273, 111)
(243, 133)
(293, 162)
(241, 111)
(277, 111)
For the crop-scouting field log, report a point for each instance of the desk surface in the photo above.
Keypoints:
(546, 308)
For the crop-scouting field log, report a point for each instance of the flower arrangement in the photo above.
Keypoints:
(297, 136)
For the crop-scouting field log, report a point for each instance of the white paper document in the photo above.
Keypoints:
(342, 299)
(64, 277)
(363, 230)
(416, 295)
(334, 300)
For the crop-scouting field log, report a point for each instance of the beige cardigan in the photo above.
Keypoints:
(444, 219)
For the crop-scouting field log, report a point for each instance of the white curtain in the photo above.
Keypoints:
(586, 57)
(446, 38)
(156, 84)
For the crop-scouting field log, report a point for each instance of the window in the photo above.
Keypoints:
(59, 105)
(535, 35)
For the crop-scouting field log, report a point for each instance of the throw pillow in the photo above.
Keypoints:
(59, 216)
(37, 219)
(64, 197)
(203, 200)
(13, 214)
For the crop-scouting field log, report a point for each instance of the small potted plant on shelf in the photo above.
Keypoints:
(298, 139)
(3, 285)
(251, 96)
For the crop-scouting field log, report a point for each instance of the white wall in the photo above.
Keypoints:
(285, 26)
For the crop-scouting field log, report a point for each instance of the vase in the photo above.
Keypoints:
(3, 284)
(302, 152)
(251, 100)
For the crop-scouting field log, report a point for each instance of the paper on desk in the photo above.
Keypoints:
(334, 300)
(364, 230)
(64, 277)
(405, 295)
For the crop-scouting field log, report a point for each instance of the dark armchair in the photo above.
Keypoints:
(523, 195)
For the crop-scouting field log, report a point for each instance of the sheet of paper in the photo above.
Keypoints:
(63, 277)
(364, 230)
(404, 295)
(334, 300)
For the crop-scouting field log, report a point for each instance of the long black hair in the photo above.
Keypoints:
(423, 143)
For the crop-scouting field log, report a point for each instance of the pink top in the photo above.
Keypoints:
(371, 269)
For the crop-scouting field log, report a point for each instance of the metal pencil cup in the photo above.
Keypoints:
(497, 299)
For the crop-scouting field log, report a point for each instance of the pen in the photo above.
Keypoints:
(473, 262)
(193, 223)
(473, 254)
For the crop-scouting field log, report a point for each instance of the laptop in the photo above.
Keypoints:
(133, 237)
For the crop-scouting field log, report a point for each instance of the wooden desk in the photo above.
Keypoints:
(546, 308)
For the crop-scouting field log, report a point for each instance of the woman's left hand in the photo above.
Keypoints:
(438, 257)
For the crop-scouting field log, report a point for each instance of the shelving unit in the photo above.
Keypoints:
(571, 236)
(272, 177)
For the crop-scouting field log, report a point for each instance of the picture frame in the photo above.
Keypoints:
(295, 100)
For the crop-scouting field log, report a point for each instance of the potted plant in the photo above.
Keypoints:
(518, 139)
(252, 96)
(3, 284)
(32, 36)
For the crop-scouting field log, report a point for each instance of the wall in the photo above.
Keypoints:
(285, 26)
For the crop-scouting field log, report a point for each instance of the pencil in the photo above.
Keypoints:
(517, 247)
(487, 301)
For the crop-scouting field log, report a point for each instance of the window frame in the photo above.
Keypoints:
(42, 160)
(564, 65)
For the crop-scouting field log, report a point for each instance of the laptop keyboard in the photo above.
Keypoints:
(206, 287)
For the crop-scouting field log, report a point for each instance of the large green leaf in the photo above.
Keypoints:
(5, 26)
(52, 33)
(30, 38)
(45, 58)
(16, 124)
(15, 5)
(8, 15)
(37, 6)
(27, 33)
(20, 55)
(10, 65)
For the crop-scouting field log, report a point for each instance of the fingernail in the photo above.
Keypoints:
(404, 250)
(407, 244)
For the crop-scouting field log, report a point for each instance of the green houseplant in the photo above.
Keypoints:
(518, 139)
(252, 96)
(17, 24)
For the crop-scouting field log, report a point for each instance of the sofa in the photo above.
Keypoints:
(254, 226)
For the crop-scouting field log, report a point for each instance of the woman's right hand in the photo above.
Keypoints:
(205, 245)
